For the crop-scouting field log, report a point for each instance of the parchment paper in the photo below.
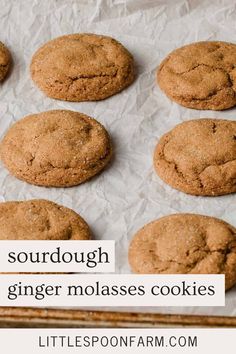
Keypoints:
(128, 194)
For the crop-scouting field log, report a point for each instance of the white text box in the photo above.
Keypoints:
(115, 341)
(112, 290)
(57, 256)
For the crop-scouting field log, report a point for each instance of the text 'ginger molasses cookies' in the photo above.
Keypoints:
(200, 75)
(40, 220)
(185, 244)
(57, 148)
(82, 67)
(198, 157)
(5, 60)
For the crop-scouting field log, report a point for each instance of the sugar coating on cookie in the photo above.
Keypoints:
(198, 157)
(40, 220)
(82, 67)
(185, 244)
(200, 75)
(5, 59)
(57, 148)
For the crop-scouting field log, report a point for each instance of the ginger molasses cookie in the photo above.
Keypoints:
(185, 244)
(198, 157)
(200, 75)
(82, 67)
(57, 148)
(40, 220)
(5, 60)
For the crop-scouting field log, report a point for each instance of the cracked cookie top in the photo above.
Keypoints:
(185, 244)
(40, 220)
(5, 59)
(82, 67)
(198, 157)
(57, 148)
(201, 75)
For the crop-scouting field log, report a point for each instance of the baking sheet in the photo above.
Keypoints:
(31, 317)
(128, 194)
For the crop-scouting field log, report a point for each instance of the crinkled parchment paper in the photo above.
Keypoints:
(128, 194)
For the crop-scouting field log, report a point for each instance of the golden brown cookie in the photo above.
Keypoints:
(200, 75)
(5, 60)
(198, 157)
(82, 67)
(40, 220)
(57, 148)
(185, 244)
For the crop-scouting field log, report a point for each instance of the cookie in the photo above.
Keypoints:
(5, 59)
(40, 220)
(57, 148)
(200, 75)
(185, 244)
(198, 157)
(82, 67)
